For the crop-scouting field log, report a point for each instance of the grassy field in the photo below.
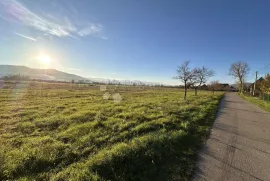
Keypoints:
(70, 132)
(261, 103)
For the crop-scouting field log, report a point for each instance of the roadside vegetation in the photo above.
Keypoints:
(66, 132)
(262, 93)
(255, 100)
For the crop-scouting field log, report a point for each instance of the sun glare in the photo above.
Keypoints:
(44, 59)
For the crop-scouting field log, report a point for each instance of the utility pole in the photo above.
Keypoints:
(255, 83)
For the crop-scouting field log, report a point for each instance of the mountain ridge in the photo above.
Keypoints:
(34, 73)
(53, 74)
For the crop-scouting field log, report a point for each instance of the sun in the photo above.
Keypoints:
(44, 59)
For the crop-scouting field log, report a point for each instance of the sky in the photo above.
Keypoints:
(136, 39)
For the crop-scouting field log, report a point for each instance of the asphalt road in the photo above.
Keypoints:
(239, 145)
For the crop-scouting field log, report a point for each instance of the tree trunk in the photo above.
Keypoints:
(241, 87)
(196, 90)
(185, 96)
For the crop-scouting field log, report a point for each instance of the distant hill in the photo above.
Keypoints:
(52, 74)
(44, 74)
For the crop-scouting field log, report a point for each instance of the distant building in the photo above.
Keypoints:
(257, 90)
(246, 85)
(233, 89)
(224, 87)
(204, 87)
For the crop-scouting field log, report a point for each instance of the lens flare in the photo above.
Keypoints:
(44, 59)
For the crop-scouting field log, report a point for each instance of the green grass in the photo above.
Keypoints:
(63, 132)
(261, 103)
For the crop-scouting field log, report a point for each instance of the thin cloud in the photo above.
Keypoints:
(21, 14)
(24, 36)
(93, 29)
(104, 37)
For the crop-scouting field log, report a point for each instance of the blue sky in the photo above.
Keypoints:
(138, 39)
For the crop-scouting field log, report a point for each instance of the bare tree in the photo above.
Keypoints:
(185, 74)
(201, 76)
(239, 71)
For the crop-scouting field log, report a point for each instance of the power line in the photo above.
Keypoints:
(264, 67)
(260, 70)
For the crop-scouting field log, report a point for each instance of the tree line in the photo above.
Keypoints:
(196, 77)
(15, 77)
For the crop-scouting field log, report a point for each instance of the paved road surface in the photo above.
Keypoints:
(239, 145)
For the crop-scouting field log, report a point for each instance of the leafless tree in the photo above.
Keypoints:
(185, 74)
(201, 76)
(239, 71)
